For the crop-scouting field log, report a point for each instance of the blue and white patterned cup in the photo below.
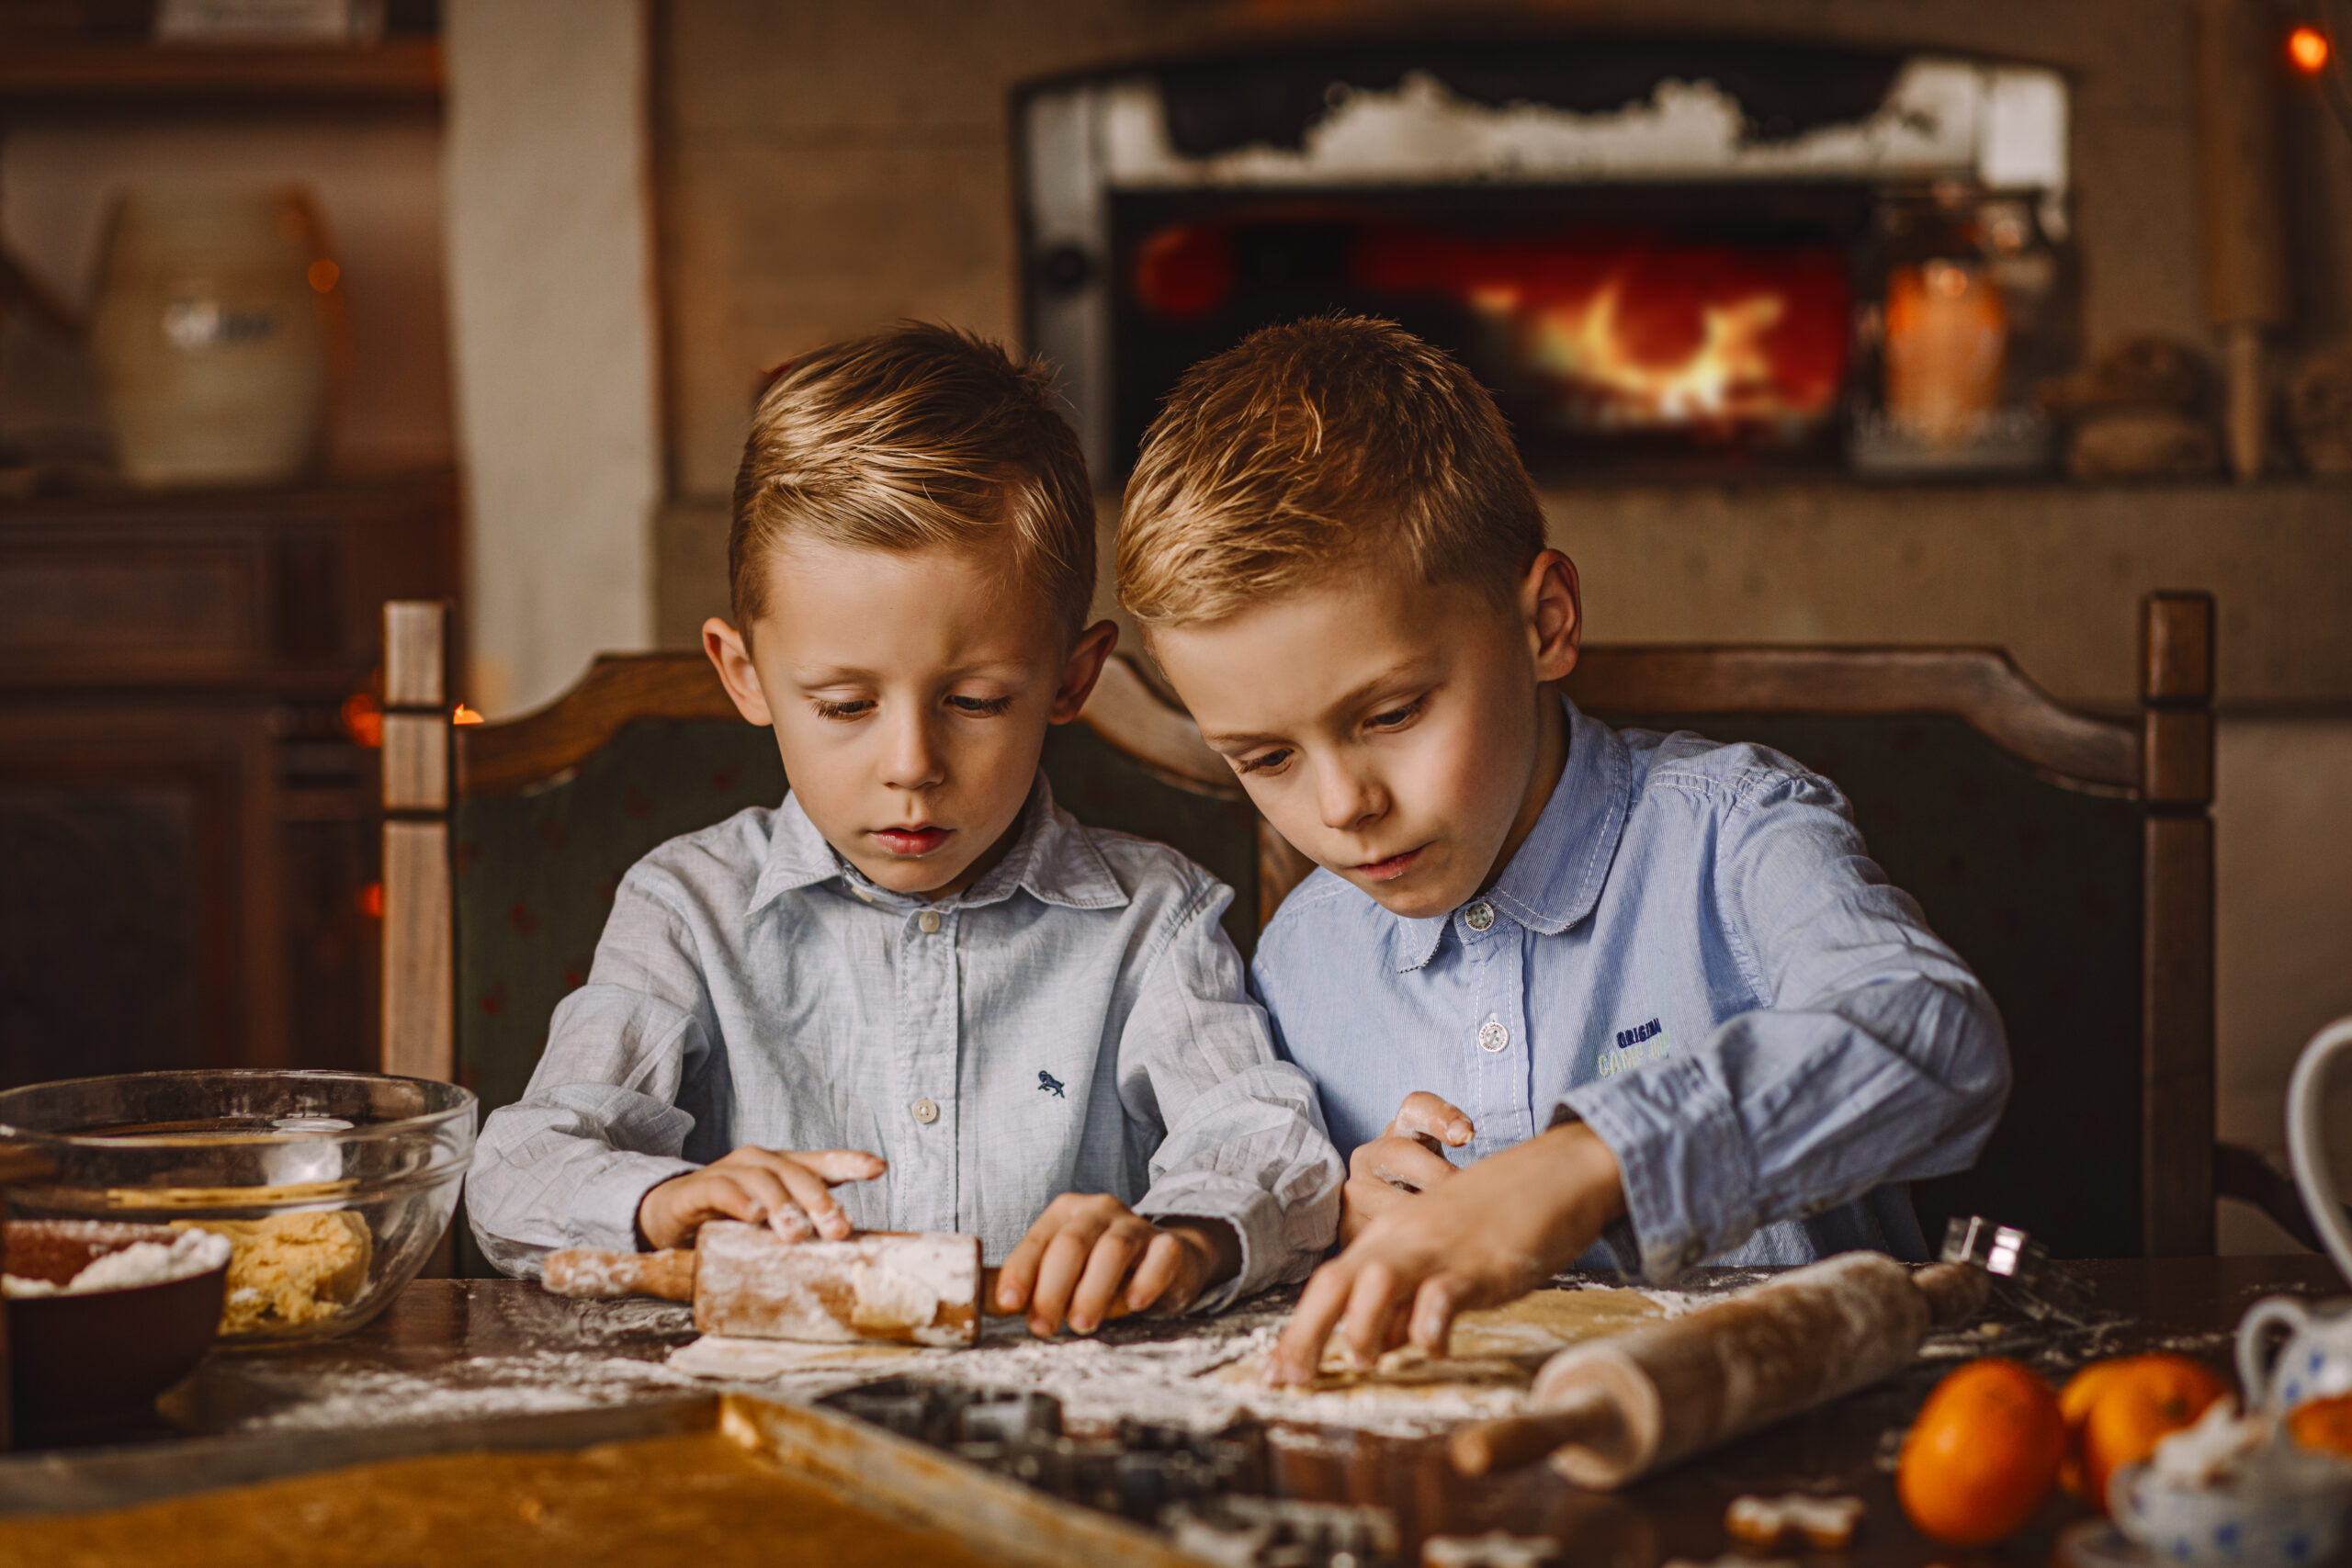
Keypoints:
(2314, 1363)
(2286, 1511)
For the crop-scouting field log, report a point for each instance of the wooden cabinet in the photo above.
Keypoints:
(187, 821)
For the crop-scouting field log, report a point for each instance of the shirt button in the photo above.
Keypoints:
(1481, 915)
(925, 1112)
(1493, 1035)
(929, 921)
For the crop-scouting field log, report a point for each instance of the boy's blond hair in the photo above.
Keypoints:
(916, 436)
(1316, 446)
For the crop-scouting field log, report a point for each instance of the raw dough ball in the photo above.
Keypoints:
(291, 1268)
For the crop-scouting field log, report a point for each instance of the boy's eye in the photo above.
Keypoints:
(981, 707)
(1396, 718)
(842, 710)
(1265, 761)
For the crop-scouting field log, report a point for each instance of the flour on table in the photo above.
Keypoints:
(1207, 1376)
(480, 1388)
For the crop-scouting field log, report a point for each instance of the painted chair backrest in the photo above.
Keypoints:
(2067, 857)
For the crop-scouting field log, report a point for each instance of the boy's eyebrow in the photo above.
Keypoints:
(830, 674)
(1355, 696)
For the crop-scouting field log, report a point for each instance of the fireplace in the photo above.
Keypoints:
(1665, 259)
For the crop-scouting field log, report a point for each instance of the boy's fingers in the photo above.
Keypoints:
(1018, 1276)
(1366, 1199)
(723, 1197)
(1106, 1268)
(1162, 1267)
(764, 1187)
(1371, 1310)
(1433, 1315)
(1425, 1113)
(1057, 1275)
(1405, 1162)
(811, 1194)
(1299, 1352)
(845, 1164)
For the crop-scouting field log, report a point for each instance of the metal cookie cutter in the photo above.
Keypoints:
(1264, 1532)
(2023, 1274)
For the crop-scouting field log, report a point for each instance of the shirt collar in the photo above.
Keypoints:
(1556, 878)
(1053, 859)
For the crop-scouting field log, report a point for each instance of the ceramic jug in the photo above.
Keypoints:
(211, 336)
(2316, 1360)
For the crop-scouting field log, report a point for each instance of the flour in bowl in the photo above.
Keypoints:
(141, 1263)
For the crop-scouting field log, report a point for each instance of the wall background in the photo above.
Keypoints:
(550, 280)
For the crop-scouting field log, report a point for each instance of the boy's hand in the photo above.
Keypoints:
(1484, 1237)
(1075, 1258)
(783, 1186)
(1408, 1157)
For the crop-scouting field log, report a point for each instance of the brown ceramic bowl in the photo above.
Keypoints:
(88, 1366)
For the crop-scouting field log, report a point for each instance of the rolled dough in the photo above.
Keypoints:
(1500, 1346)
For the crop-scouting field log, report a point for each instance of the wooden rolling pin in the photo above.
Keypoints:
(745, 1280)
(1613, 1410)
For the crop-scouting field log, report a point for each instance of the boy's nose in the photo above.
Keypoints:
(1348, 799)
(910, 759)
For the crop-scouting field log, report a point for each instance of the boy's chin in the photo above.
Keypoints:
(1410, 898)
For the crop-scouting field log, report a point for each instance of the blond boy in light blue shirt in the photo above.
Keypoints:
(917, 994)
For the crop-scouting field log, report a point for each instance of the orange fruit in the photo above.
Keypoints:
(2074, 1402)
(2146, 1398)
(2324, 1424)
(1982, 1454)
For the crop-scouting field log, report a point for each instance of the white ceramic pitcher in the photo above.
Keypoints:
(2316, 1361)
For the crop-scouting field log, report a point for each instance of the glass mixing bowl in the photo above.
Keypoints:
(331, 1187)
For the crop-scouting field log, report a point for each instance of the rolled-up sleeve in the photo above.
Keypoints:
(1242, 1138)
(599, 1126)
(1877, 1058)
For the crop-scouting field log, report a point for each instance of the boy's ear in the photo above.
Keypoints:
(1551, 602)
(1085, 667)
(732, 657)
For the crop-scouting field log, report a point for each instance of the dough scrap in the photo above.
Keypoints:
(733, 1359)
(1493, 1347)
(291, 1269)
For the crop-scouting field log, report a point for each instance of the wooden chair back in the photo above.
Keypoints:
(2067, 857)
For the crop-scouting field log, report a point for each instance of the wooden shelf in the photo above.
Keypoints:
(397, 71)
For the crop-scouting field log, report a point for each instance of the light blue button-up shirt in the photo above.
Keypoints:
(1693, 953)
(1076, 1021)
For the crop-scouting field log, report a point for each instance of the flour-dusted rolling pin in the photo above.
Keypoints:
(745, 1280)
(1611, 1410)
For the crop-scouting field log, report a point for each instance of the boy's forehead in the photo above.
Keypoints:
(1316, 647)
(852, 605)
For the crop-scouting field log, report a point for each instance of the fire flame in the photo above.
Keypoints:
(1728, 374)
(1621, 332)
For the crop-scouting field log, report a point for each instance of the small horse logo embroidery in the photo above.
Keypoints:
(1049, 1084)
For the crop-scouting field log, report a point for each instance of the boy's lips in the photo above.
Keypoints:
(1392, 868)
(920, 839)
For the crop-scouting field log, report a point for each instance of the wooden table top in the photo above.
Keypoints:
(460, 1335)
